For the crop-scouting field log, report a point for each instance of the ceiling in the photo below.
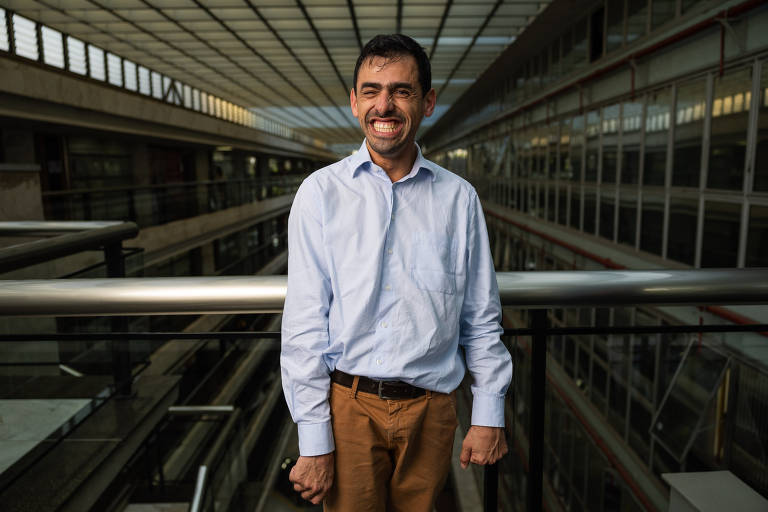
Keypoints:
(290, 60)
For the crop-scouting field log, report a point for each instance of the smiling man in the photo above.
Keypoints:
(391, 298)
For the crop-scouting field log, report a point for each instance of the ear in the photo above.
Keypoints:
(429, 102)
(353, 101)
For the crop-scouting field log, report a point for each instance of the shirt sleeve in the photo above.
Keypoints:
(305, 375)
(487, 358)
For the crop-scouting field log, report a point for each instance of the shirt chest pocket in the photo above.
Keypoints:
(433, 262)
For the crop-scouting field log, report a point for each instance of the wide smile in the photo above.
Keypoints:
(386, 128)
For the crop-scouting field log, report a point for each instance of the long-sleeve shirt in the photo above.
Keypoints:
(389, 281)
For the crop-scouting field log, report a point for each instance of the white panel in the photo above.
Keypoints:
(96, 62)
(53, 47)
(3, 32)
(144, 80)
(115, 69)
(25, 37)
(131, 78)
(76, 54)
(157, 85)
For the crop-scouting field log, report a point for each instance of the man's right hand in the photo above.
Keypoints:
(313, 477)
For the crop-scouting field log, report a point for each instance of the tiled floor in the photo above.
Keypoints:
(26, 422)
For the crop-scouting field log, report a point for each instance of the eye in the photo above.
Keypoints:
(403, 93)
(369, 93)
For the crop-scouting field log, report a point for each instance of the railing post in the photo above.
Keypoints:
(121, 356)
(491, 488)
(537, 399)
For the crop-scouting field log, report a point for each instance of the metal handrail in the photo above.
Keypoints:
(286, 178)
(251, 294)
(24, 255)
(51, 227)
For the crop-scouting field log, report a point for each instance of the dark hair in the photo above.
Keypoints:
(395, 45)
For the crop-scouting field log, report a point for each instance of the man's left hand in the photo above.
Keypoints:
(483, 445)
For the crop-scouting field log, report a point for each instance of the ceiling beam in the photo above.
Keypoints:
(354, 23)
(487, 20)
(298, 60)
(266, 61)
(447, 9)
(399, 25)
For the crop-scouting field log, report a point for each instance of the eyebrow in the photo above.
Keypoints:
(396, 85)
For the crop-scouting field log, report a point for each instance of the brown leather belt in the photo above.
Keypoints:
(384, 389)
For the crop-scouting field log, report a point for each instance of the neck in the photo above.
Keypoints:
(396, 166)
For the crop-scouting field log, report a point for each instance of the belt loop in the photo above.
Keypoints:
(429, 394)
(353, 389)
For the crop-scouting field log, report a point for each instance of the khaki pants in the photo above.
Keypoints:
(391, 455)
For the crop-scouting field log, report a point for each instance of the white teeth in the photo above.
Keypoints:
(384, 127)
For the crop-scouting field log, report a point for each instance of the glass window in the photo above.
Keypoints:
(590, 211)
(688, 4)
(652, 224)
(657, 119)
(615, 18)
(610, 130)
(761, 156)
(662, 12)
(631, 117)
(637, 17)
(627, 218)
(681, 239)
(607, 211)
(562, 206)
(575, 209)
(596, 34)
(551, 203)
(593, 146)
(580, 44)
(720, 237)
(566, 168)
(577, 145)
(757, 237)
(730, 119)
(689, 127)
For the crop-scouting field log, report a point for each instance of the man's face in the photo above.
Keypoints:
(389, 103)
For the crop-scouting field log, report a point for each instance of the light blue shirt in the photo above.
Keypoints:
(388, 280)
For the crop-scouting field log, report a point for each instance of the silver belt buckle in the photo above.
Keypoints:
(381, 394)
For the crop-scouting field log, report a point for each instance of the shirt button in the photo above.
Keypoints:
(384, 324)
(387, 287)
(379, 361)
(389, 251)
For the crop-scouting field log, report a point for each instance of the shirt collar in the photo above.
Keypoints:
(361, 159)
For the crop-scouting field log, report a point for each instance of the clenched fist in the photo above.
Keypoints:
(313, 477)
(483, 445)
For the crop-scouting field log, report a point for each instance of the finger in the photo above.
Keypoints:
(318, 498)
(299, 488)
(466, 455)
(308, 494)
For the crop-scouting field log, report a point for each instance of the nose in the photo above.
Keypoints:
(383, 101)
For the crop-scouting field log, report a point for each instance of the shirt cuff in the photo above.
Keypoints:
(487, 409)
(315, 439)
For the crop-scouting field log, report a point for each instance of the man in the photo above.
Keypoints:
(389, 274)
